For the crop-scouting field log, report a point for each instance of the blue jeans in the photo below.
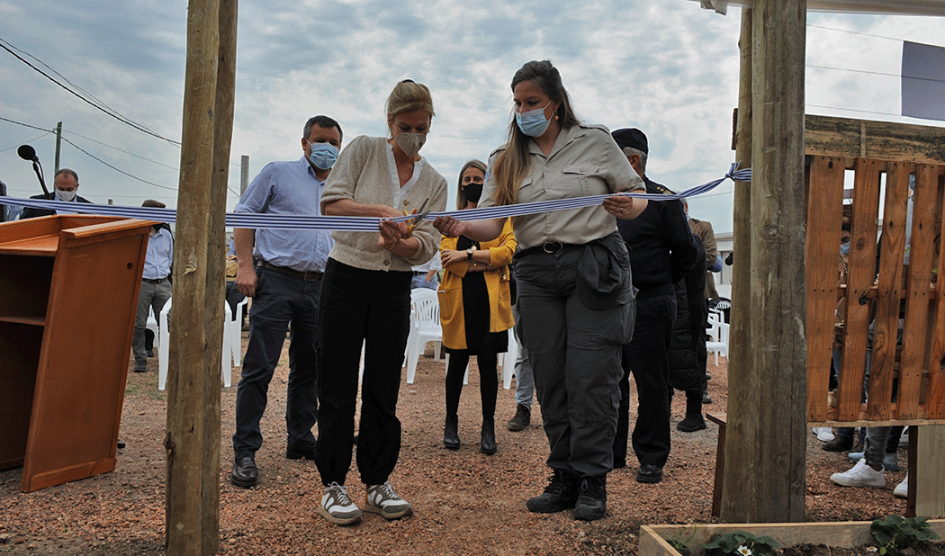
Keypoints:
(280, 300)
(361, 307)
(524, 375)
(420, 281)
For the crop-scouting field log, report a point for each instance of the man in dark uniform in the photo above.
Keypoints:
(662, 250)
(67, 185)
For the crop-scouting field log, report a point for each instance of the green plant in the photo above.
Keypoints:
(741, 543)
(681, 542)
(897, 532)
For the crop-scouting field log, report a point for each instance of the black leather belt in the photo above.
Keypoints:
(310, 276)
(151, 281)
(419, 272)
(550, 247)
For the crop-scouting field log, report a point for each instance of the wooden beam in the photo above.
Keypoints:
(843, 137)
(765, 451)
(188, 419)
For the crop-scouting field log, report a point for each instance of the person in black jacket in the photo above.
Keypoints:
(662, 251)
(67, 185)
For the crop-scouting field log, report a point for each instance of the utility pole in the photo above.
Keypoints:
(58, 143)
(244, 173)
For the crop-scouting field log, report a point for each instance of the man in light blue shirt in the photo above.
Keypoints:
(155, 284)
(285, 285)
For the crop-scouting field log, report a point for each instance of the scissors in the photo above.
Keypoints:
(421, 214)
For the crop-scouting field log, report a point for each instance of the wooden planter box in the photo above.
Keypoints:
(843, 534)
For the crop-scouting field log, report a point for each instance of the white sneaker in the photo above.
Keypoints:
(861, 475)
(337, 506)
(381, 499)
(824, 434)
(902, 489)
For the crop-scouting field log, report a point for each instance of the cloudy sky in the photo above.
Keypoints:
(668, 67)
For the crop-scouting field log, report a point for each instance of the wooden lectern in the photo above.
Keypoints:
(68, 296)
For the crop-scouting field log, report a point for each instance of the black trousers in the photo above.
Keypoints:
(646, 357)
(371, 307)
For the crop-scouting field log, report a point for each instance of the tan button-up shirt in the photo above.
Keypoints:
(584, 161)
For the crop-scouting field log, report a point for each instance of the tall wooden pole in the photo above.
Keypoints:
(765, 451)
(189, 422)
(739, 355)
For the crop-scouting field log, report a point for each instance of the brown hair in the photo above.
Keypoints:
(460, 196)
(512, 165)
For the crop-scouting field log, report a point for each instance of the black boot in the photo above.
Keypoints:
(487, 444)
(591, 502)
(693, 421)
(560, 494)
(451, 433)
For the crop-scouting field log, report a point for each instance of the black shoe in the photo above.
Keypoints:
(487, 443)
(591, 502)
(706, 398)
(649, 474)
(560, 494)
(141, 367)
(450, 433)
(121, 444)
(839, 444)
(150, 353)
(691, 423)
(522, 418)
(244, 473)
(295, 451)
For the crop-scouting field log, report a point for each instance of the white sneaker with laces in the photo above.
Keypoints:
(861, 475)
(337, 506)
(381, 499)
(824, 434)
(902, 489)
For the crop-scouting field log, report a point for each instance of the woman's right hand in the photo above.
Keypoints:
(449, 226)
(449, 256)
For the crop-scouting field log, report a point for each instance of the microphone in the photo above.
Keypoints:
(27, 152)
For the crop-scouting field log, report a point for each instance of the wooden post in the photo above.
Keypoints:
(764, 476)
(192, 502)
(740, 336)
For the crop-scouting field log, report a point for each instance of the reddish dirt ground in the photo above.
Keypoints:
(465, 502)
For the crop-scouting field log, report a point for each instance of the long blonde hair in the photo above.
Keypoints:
(460, 196)
(513, 164)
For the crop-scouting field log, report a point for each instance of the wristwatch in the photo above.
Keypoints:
(469, 253)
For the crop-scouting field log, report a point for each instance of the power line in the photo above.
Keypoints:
(48, 132)
(855, 33)
(29, 141)
(896, 75)
(112, 113)
(118, 169)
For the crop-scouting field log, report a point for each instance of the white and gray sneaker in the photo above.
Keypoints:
(337, 507)
(861, 475)
(381, 499)
(902, 489)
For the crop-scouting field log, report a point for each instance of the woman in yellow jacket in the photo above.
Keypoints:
(475, 310)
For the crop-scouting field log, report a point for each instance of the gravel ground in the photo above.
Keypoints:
(465, 502)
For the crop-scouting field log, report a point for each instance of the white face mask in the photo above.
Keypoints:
(411, 143)
(65, 195)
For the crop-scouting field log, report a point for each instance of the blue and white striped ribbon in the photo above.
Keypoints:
(359, 223)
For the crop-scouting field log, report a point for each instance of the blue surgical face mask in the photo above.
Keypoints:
(323, 155)
(845, 248)
(533, 123)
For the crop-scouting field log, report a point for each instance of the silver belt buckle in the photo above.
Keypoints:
(552, 247)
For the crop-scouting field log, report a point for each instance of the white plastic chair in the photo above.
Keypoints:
(508, 361)
(720, 344)
(234, 331)
(153, 326)
(424, 327)
(165, 342)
